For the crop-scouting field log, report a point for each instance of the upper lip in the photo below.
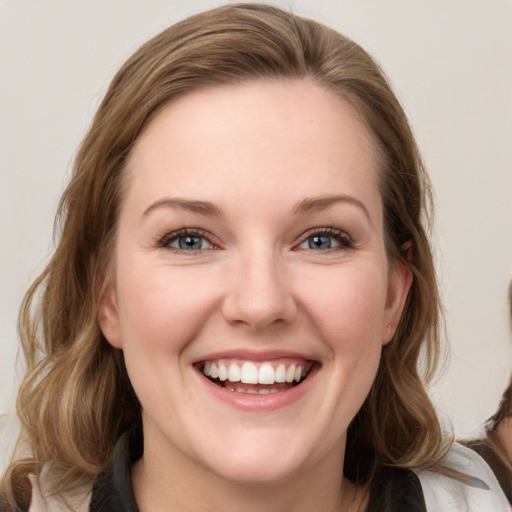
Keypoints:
(253, 355)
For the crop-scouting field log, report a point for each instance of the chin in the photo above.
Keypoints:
(256, 471)
(259, 459)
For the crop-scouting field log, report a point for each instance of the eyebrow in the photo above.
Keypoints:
(319, 204)
(308, 205)
(201, 207)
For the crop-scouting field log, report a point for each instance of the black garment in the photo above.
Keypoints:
(394, 489)
(113, 490)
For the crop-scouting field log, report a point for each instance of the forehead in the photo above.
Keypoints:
(288, 138)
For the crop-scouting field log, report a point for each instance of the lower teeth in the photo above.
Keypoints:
(263, 391)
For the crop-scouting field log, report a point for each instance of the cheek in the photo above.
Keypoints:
(161, 311)
(162, 307)
(349, 308)
(348, 314)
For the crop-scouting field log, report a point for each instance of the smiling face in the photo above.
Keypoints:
(251, 289)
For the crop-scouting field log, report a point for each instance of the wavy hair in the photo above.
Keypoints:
(494, 447)
(76, 398)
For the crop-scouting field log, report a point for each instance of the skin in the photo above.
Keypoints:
(504, 428)
(504, 435)
(256, 152)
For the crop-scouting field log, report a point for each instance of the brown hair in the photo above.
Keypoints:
(505, 407)
(493, 447)
(76, 398)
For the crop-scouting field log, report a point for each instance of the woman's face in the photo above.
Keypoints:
(250, 253)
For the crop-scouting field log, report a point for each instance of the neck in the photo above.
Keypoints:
(185, 486)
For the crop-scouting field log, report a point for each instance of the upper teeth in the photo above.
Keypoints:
(249, 373)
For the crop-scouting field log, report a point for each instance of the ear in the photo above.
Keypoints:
(108, 318)
(400, 280)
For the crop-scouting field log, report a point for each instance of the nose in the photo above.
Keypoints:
(259, 293)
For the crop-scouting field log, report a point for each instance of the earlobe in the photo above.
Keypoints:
(400, 280)
(108, 319)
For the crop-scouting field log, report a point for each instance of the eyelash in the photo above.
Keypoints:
(169, 238)
(342, 238)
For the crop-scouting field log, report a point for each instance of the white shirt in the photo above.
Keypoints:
(442, 493)
(445, 494)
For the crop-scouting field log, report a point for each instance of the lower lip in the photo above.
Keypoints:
(265, 402)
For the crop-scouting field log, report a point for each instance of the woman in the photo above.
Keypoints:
(496, 446)
(234, 314)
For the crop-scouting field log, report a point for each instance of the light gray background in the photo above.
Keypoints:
(450, 62)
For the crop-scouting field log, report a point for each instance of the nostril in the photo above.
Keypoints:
(259, 312)
(258, 292)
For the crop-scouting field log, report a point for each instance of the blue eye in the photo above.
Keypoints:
(185, 241)
(319, 242)
(326, 239)
(189, 243)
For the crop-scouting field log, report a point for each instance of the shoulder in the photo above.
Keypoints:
(492, 452)
(481, 493)
(43, 501)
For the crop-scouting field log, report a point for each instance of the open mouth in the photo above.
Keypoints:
(256, 378)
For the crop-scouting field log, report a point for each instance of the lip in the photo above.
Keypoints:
(254, 355)
(257, 403)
